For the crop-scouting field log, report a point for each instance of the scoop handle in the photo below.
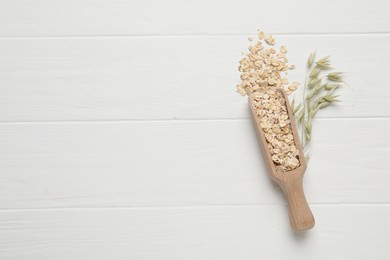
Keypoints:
(301, 217)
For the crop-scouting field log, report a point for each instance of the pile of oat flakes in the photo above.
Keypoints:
(263, 70)
(270, 107)
(264, 67)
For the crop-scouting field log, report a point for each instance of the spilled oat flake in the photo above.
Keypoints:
(265, 67)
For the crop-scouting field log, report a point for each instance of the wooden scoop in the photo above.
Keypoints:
(290, 182)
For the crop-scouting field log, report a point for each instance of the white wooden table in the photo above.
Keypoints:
(122, 137)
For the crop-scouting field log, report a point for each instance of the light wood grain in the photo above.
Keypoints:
(182, 163)
(122, 17)
(169, 77)
(357, 232)
(291, 182)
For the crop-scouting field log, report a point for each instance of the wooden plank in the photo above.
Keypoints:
(194, 233)
(104, 17)
(182, 163)
(169, 77)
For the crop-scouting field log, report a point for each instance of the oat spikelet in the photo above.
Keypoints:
(311, 59)
(335, 76)
(324, 63)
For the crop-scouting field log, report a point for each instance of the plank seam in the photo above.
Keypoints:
(173, 120)
(385, 33)
(195, 206)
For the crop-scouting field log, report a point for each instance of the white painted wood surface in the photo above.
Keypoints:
(155, 17)
(170, 77)
(226, 232)
(122, 137)
(139, 164)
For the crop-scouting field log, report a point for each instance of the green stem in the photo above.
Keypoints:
(304, 109)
